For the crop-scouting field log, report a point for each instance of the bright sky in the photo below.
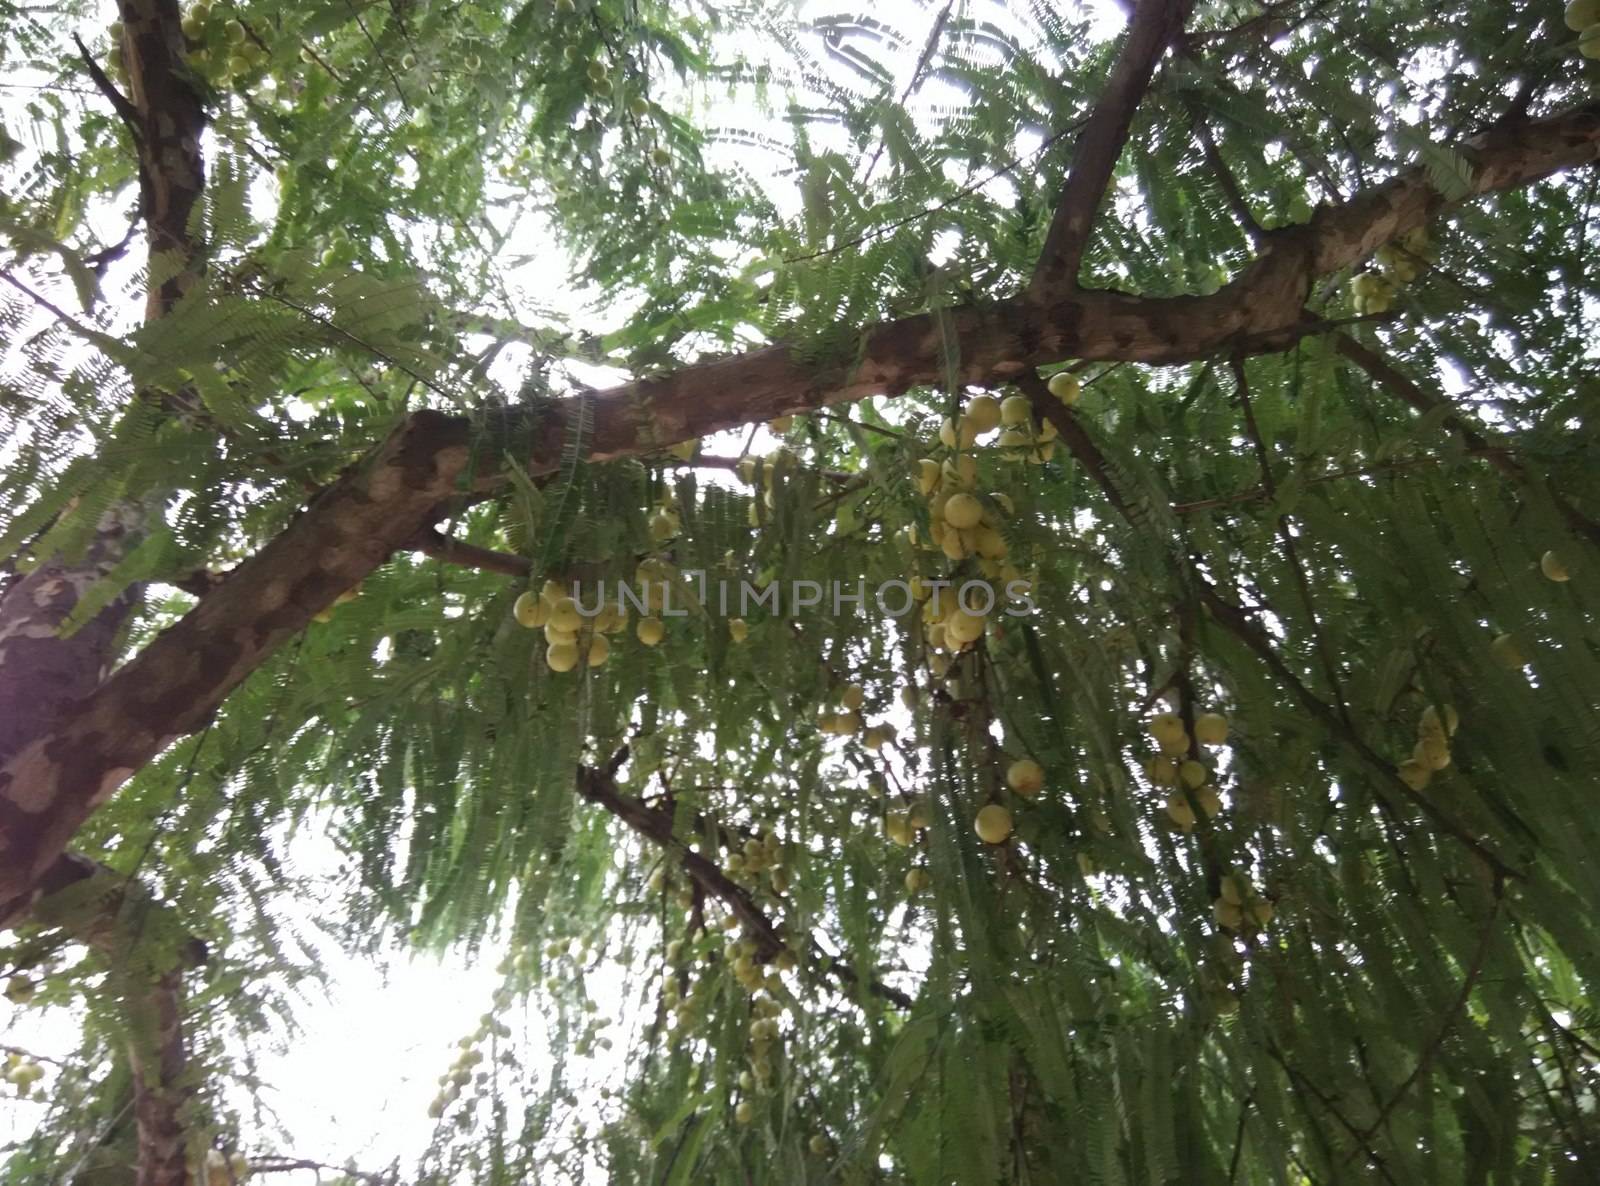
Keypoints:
(355, 1084)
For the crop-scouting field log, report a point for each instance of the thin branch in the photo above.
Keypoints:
(1226, 181)
(1392, 379)
(436, 544)
(125, 110)
(1460, 1003)
(599, 787)
(1155, 24)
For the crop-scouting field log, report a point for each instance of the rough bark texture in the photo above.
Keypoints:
(1155, 25)
(173, 686)
(45, 679)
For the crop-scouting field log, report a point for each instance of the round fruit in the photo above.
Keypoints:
(852, 697)
(1211, 728)
(1505, 651)
(661, 158)
(927, 476)
(530, 611)
(993, 824)
(983, 411)
(599, 650)
(1414, 774)
(1065, 387)
(1025, 777)
(897, 827)
(745, 1112)
(638, 106)
(1228, 916)
(1581, 14)
(564, 615)
(561, 656)
(1231, 892)
(962, 628)
(1193, 774)
(818, 1144)
(1166, 727)
(1432, 751)
(650, 631)
(1015, 410)
(1210, 802)
(738, 629)
(963, 511)
(918, 880)
(1550, 564)
(1161, 771)
(1179, 811)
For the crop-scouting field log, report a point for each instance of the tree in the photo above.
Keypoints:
(1235, 370)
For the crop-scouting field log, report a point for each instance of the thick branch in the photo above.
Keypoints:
(174, 685)
(1155, 24)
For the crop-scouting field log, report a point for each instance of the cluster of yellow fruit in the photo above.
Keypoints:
(764, 471)
(993, 823)
(22, 1073)
(848, 720)
(224, 50)
(902, 827)
(757, 857)
(765, 1034)
(1187, 778)
(1240, 906)
(221, 1169)
(463, 1070)
(569, 636)
(1583, 18)
(1399, 263)
(1432, 751)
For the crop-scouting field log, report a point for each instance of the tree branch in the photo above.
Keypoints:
(1393, 380)
(600, 788)
(48, 788)
(1155, 24)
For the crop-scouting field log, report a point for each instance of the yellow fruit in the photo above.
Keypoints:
(818, 1144)
(555, 634)
(993, 824)
(1261, 912)
(553, 591)
(745, 1112)
(1025, 777)
(561, 656)
(852, 697)
(919, 817)
(897, 827)
(1179, 811)
(1504, 650)
(1166, 726)
(1210, 802)
(1231, 892)
(530, 611)
(599, 650)
(1161, 771)
(963, 511)
(960, 471)
(1414, 774)
(20, 990)
(961, 627)
(1211, 728)
(927, 476)
(738, 629)
(1065, 387)
(1589, 41)
(1193, 774)
(663, 525)
(1550, 564)
(947, 434)
(918, 880)
(1175, 744)
(1227, 914)
(983, 412)
(1432, 751)
(1431, 721)
(564, 615)
(1015, 410)
(991, 544)
(1581, 14)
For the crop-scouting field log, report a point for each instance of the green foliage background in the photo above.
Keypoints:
(380, 183)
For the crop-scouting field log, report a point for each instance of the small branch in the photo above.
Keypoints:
(1460, 1003)
(599, 787)
(1286, 538)
(435, 543)
(285, 1165)
(1402, 388)
(1226, 181)
(125, 110)
(1154, 25)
